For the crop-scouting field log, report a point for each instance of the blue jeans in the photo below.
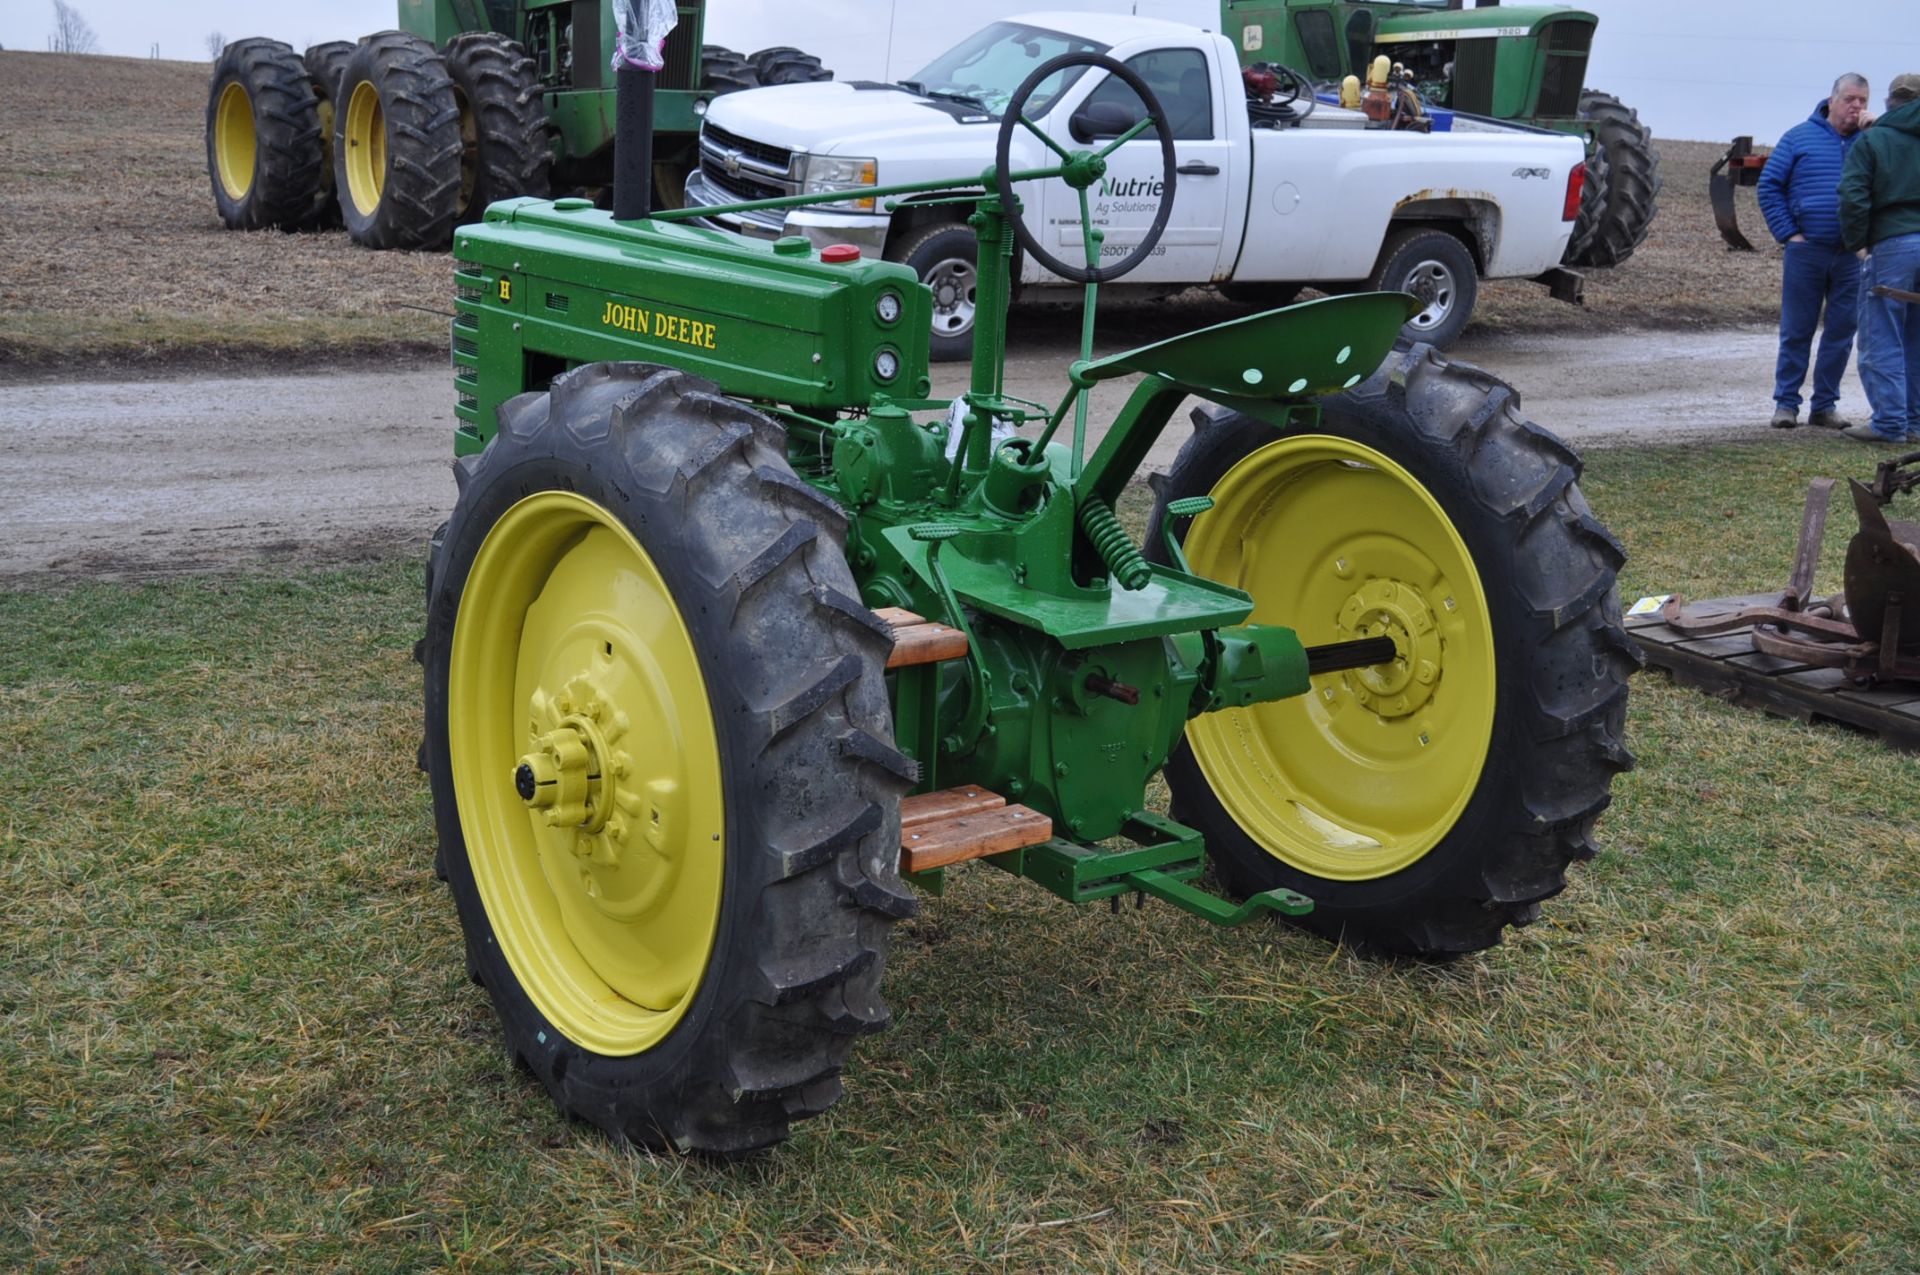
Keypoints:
(1890, 338)
(1813, 276)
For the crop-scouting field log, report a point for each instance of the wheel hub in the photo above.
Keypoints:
(580, 780)
(953, 285)
(1395, 609)
(1432, 282)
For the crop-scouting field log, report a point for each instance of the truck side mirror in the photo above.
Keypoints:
(1101, 119)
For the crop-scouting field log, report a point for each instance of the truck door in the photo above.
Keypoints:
(1123, 203)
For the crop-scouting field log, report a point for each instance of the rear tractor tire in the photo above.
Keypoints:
(1593, 207)
(1629, 183)
(660, 748)
(504, 149)
(724, 71)
(396, 144)
(263, 138)
(784, 64)
(1427, 804)
(325, 64)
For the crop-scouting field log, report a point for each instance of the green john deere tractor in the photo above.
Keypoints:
(412, 132)
(736, 633)
(1522, 63)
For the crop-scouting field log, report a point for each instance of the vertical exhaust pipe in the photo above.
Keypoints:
(633, 142)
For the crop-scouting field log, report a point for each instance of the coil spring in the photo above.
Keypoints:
(1124, 562)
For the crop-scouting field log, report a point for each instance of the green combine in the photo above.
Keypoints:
(736, 638)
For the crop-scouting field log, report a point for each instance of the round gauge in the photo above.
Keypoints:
(886, 365)
(888, 307)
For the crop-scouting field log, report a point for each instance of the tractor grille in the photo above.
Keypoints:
(1567, 44)
(1570, 37)
(682, 69)
(1473, 76)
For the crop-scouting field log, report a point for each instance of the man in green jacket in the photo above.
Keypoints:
(1880, 211)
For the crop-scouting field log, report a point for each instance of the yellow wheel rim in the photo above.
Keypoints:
(572, 668)
(1365, 774)
(366, 149)
(233, 141)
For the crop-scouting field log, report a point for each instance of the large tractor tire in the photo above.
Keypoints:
(724, 71)
(784, 64)
(263, 138)
(325, 64)
(1632, 180)
(1439, 269)
(396, 144)
(660, 748)
(1428, 804)
(1593, 208)
(504, 148)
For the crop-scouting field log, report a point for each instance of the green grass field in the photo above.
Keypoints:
(237, 1034)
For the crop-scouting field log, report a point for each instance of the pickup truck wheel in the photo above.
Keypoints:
(1437, 268)
(944, 257)
(1428, 803)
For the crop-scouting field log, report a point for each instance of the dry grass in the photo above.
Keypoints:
(114, 250)
(235, 1034)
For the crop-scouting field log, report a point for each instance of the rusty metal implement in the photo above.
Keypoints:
(1872, 629)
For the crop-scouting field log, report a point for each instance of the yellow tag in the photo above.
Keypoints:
(506, 289)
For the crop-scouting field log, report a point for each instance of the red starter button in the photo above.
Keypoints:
(836, 254)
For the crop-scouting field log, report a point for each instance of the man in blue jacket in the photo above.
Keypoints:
(1800, 197)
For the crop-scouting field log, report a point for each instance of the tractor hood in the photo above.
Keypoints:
(1504, 21)
(846, 118)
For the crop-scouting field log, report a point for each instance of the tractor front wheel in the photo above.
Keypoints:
(396, 144)
(263, 137)
(1426, 804)
(659, 741)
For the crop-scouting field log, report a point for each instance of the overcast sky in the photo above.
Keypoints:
(1703, 69)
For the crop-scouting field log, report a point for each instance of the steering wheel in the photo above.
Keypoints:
(1082, 169)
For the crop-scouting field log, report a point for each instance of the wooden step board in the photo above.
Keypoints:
(917, 640)
(957, 824)
(1726, 666)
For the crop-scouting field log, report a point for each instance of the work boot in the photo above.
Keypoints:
(1828, 419)
(1785, 418)
(1867, 434)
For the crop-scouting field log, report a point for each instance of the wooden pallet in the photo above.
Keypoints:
(1726, 666)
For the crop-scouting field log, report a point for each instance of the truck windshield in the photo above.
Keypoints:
(988, 66)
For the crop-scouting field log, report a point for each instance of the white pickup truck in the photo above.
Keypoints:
(1263, 203)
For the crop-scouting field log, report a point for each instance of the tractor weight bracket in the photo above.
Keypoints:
(1211, 907)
